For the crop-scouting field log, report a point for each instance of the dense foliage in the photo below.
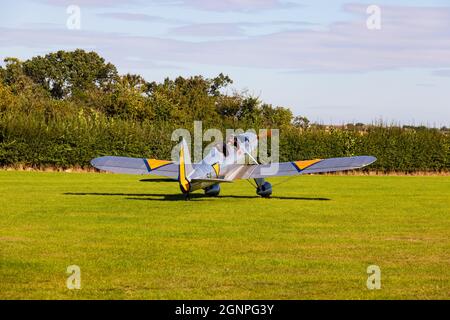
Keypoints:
(66, 108)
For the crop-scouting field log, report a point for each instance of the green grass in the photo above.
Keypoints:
(313, 240)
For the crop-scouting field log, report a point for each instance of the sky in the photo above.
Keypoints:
(319, 58)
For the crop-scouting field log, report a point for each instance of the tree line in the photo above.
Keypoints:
(67, 107)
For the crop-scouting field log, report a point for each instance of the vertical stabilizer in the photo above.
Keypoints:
(184, 167)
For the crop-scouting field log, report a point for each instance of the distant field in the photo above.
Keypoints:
(140, 240)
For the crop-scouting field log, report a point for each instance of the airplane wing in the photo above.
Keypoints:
(300, 167)
(137, 166)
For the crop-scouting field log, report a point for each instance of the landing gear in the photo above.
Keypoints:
(263, 188)
(212, 191)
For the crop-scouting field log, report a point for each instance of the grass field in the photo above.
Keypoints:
(313, 240)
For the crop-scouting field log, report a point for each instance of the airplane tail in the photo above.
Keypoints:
(184, 167)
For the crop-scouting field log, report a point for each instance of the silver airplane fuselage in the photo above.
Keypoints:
(221, 161)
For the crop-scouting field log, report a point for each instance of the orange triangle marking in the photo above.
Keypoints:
(155, 164)
(302, 165)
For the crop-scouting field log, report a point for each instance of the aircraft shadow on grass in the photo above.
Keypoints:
(181, 197)
(158, 180)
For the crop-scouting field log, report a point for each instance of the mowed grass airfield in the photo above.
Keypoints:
(314, 239)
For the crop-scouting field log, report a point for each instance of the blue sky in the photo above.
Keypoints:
(316, 57)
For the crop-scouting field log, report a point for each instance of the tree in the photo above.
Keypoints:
(189, 99)
(249, 110)
(228, 106)
(133, 82)
(278, 117)
(2, 74)
(64, 74)
(20, 84)
(13, 71)
(219, 82)
(8, 101)
(127, 99)
(301, 122)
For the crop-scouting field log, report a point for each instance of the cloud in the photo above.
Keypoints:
(207, 5)
(139, 17)
(143, 63)
(233, 29)
(226, 29)
(237, 5)
(426, 85)
(209, 30)
(90, 3)
(442, 73)
(409, 38)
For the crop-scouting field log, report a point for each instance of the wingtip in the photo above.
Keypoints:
(370, 160)
(93, 161)
(96, 162)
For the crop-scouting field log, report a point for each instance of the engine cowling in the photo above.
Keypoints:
(213, 191)
(264, 190)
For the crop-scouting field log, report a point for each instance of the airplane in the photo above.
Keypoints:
(226, 162)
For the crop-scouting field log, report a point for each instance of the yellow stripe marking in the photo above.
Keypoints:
(216, 168)
(184, 183)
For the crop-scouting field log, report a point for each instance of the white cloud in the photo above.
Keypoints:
(442, 73)
(208, 5)
(209, 30)
(139, 17)
(90, 3)
(236, 5)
